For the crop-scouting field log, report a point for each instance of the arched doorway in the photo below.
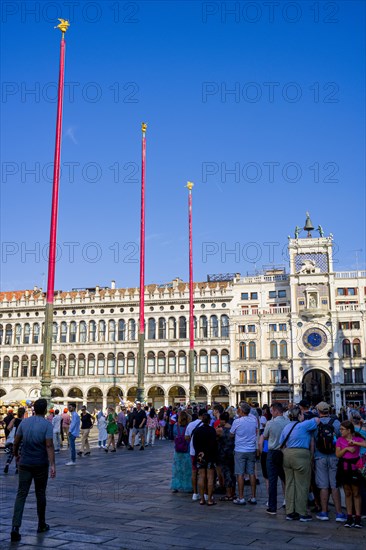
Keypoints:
(75, 393)
(177, 395)
(94, 399)
(201, 394)
(155, 397)
(57, 392)
(316, 386)
(113, 395)
(220, 394)
(132, 394)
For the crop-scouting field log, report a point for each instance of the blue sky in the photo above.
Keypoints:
(263, 110)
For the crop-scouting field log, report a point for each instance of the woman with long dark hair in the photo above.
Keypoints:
(181, 471)
(348, 475)
(205, 446)
(151, 425)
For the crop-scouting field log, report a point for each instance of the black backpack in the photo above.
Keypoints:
(325, 438)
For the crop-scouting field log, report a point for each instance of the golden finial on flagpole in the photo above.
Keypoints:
(63, 26)
(143, 127)
(190, 185)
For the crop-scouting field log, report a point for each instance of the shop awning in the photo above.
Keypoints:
(13, 396)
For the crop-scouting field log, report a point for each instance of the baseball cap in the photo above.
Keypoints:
(304, 403)
(323, 406)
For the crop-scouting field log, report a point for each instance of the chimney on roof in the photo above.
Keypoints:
(113, 285)
(176, 281)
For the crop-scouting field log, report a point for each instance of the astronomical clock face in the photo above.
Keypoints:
(314, 339)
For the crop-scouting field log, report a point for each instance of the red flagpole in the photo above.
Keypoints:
(191, 318)
(191, 325)
(56, 177)
(141, 356)
(47, 348)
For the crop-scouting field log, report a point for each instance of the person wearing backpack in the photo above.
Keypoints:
(205, 445)
(13, 425)
(326, 462)
(181, 470)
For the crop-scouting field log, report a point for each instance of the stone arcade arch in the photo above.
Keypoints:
(177, 395)
(156, 397)
(57, 392)
(94, 399)
(201, 394)
(316, 386)
(220, 394)
(132, 394)
(113, 395)
(75, 392)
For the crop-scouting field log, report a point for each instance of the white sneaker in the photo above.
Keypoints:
(71, 463)
(195, 496)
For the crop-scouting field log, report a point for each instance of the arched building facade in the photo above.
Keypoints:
(272, 336)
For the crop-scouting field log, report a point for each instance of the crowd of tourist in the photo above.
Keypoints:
(311, 450)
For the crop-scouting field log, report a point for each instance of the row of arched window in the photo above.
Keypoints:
(248, 350)
(121, 364)
(351, 349)
(278, 350)
(113, 331)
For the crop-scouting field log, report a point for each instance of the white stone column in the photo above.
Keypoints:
(337, 397)
(297, 393)
(232, 397)
(264, 398)
(104, 402)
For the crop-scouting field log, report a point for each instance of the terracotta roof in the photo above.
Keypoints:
(35, 294)
(8, 295)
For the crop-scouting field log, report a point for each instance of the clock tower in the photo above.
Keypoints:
(312, 302)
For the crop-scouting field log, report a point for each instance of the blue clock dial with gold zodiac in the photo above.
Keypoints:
(314, 339)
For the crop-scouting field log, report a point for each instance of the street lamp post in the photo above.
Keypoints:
(47, 347)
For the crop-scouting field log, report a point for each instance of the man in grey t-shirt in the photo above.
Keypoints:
(272, 432)
(37, 454)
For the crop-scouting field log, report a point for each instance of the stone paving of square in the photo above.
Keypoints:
(122, 501)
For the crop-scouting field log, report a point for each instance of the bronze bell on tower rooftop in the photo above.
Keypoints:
(308, 225)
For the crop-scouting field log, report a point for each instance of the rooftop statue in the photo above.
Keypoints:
(297, 231)
(321, 232)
